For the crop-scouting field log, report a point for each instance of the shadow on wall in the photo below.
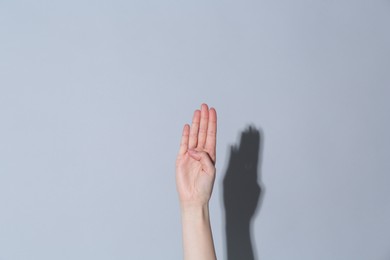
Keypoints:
(243, 193)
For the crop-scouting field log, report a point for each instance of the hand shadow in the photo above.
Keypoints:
(242, 192)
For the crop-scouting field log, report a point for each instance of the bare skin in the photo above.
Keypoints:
(195, 175)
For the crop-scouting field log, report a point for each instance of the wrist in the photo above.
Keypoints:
(195, 211)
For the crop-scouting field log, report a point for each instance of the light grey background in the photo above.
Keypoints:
(93, 96)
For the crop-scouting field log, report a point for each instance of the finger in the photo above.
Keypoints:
(204, 159)
(211, 138)
(204, 120)
(184, 139)
(194, 130)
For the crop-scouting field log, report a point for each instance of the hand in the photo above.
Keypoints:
(195, 164)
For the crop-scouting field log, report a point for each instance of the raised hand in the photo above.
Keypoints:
(195, 175)
(195, 163)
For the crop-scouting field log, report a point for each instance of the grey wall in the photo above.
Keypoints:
(93, 96)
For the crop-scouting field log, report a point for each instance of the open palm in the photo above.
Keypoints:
(195, 170)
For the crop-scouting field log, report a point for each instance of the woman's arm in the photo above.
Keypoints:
(195, 175)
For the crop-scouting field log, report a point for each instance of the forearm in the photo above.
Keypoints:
(197, 236)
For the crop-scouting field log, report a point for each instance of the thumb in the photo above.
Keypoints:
(204, 159)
